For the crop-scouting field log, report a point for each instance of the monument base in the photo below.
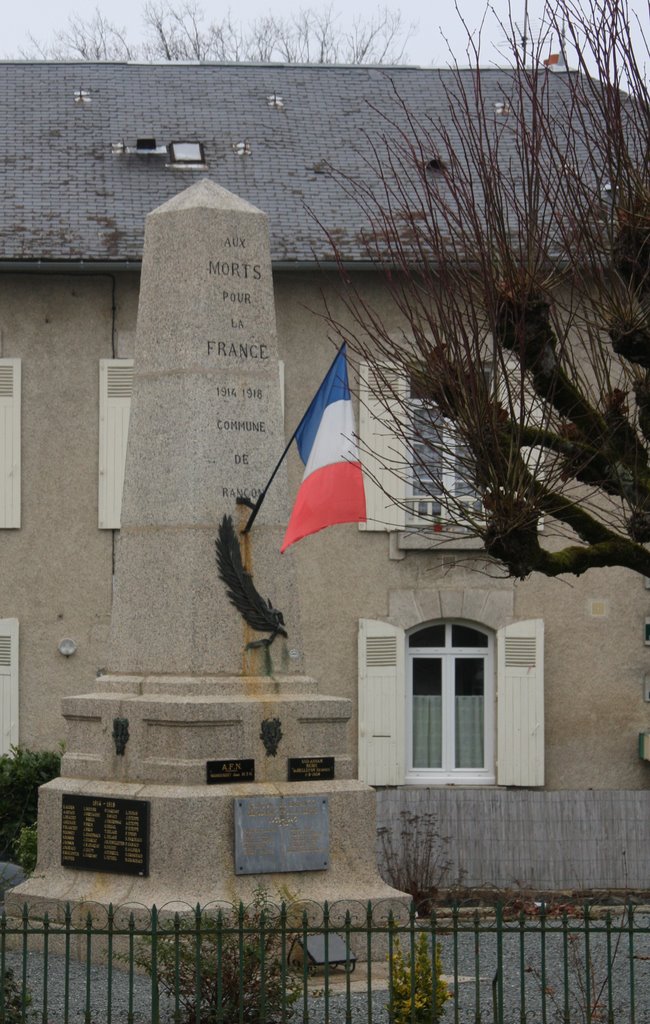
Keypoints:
(176, 724)
(191, 854)
(150, 819)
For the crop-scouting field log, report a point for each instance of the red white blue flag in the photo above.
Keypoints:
(332, 485)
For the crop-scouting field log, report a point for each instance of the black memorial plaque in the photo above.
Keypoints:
(306, 769)
(230, 770)
(105, 834)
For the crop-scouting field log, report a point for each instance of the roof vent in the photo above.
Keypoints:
(187, 154)
(501, 107)
(242, 148)
(82, 97)
(275, 101)
(146, 146)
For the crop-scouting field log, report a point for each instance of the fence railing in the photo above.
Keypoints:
(267, 964)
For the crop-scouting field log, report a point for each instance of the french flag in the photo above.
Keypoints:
(332, 485)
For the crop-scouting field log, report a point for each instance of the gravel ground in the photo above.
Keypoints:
(468, 976)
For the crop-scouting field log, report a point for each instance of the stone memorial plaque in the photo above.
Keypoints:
(100, 834)
(305, 769)
(230, 770)
(281, 833)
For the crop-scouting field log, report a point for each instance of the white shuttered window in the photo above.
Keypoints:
(391, 742)
(520, 704)
(115, 388)
(8, 684)
(9, 443)
(383, 453)
(381, 704)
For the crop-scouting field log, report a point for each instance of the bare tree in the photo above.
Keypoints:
(514, 236)
(91, 39)
(180, 32)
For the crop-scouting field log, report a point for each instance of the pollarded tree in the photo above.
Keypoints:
(513, 230)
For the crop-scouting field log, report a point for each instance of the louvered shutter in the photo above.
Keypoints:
(520, 704)
(115, 387)
(381, 703)
(383, 452)
(8, 684)
(9, 443)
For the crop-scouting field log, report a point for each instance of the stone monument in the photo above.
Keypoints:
(198, 768)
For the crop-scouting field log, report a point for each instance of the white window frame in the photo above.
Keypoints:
(388, 466)
(430, 509)
(448, 774)
(518, 724)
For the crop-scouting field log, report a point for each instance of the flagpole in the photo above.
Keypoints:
(256, 506)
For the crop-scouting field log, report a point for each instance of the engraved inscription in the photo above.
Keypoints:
(281, 834)
(230, 770)
(301, 769)
(247, 426)
(240, 349)
(243, 271)
(99, 834)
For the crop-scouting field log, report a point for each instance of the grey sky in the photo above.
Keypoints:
(434, 21)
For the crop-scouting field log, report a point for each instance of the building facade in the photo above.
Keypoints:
(510, 710)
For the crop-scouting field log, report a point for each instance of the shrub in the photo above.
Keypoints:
(21, 773)
(11, 1008)
(243, 975)
(428, 1000)
(415, 857)
(26, 847)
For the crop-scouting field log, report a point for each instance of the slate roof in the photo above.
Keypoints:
(66, 196)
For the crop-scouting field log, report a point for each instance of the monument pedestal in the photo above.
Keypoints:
(179, 782)
(192, 850)
(177, 727)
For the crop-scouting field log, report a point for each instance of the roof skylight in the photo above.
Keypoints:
(186, 153)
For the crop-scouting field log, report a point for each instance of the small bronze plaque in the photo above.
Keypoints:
(230, 770)
(281, 833)
(304, 769)
(105, 834)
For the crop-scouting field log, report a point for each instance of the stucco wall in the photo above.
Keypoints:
(56, 570)
(55, 575)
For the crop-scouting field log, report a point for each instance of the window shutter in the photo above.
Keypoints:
(383, 453)
(8, 685)
(10, 443)
(381, 703)
(520, 704)
(115, 387)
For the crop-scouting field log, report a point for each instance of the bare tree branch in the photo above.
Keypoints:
(513, 231)
(180, 32)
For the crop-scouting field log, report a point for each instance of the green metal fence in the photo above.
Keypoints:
(320, 964)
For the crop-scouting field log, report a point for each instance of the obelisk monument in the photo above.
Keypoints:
(197, 768)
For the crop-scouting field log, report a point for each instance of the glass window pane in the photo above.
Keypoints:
(427, 713)
(469, 688)
(430, 636)
(465, 636)
(427, 676)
